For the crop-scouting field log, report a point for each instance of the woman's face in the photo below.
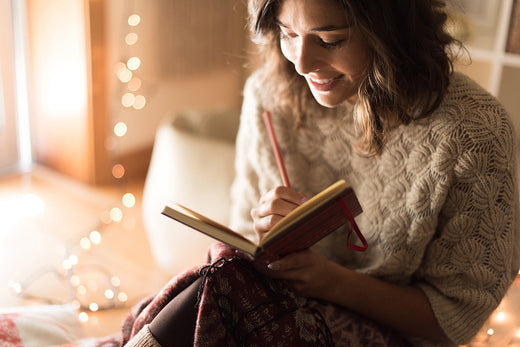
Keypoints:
(332, 56)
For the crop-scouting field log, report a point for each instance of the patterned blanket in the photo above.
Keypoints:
(240, 307)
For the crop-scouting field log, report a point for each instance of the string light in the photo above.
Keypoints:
(133, 63)
(120, 129)
(118, 171)
(95, 237)
(500, 317)
(85, 243)
(116, 214)
(128, 99)
(109, 294)
(131, 39)
(128, 200)
(93, 307)
(134, 20)
(83, 317)
(92, 295)
(134, 84)
(139, 102)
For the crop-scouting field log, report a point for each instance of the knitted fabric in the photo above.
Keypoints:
(440, 203)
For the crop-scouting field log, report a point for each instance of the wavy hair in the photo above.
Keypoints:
(407, 76)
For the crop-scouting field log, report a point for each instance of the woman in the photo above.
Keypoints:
(364, 91)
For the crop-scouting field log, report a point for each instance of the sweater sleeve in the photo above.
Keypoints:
(143, 338)
(245, 188)
(473, 259)
(256, 171)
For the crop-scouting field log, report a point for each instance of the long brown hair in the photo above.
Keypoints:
(407, 76)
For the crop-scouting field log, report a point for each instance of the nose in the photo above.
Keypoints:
(306, 58)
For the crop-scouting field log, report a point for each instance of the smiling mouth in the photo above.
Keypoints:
(324, 85)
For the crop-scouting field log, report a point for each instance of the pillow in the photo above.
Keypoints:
(47, 325)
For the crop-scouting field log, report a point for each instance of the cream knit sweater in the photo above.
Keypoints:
(440, 203)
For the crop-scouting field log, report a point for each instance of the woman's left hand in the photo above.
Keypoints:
(308, 272)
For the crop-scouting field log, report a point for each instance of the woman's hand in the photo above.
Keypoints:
(308, 272)
(273, 206)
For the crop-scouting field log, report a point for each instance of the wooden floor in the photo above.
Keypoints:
(43, 218)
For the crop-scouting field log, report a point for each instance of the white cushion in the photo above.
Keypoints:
(195, 171)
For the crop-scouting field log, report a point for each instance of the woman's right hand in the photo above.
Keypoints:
(273, 206)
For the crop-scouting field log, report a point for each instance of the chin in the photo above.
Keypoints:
(331, 99)
(328, 102)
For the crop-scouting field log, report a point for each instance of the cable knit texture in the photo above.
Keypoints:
(143, 338)
(440, 203)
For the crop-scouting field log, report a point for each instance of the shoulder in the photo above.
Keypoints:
(253, 87)
(470, 115)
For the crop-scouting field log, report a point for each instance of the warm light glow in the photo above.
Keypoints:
(116, 214)
(93, 307)
(128, 200)
(76, 304)
(490, 332)
(118, 171)
(95, 237)
(518, 333)
(59, 60)
(75, 280)
(128, 99)
(134, 63)
(119, 68)
(500, 317)
(18, 208)
(116, 282)
(120, 129)
(135, 84)
(122, 297)
(105, 217)
(83, 317)
(85, 243)
(67, 264)
(131, 39)
(15, 286)
(73, 259)
(139, 102)
(109, 294)
(134, 20)
(82, 290)
(125, 75)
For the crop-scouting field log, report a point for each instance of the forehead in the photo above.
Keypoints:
(308, 14)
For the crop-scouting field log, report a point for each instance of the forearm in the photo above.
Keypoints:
(403, 308)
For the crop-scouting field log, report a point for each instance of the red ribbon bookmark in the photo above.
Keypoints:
(353, 226)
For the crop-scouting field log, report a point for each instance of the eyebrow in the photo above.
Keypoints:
(318, 29)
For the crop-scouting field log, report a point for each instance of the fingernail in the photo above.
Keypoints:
(273, 266)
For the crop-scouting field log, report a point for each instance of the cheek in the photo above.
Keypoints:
(287, 50)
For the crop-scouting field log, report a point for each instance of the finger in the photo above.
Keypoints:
(285, 193)
(291, 262)
(263, 225)
(277, 206)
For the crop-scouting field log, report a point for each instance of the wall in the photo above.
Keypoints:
(187, 61)
(191, 53)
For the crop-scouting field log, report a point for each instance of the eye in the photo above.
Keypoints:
(330, 45)
(286, 36)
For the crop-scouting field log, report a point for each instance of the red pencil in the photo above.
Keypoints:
(278, 154)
